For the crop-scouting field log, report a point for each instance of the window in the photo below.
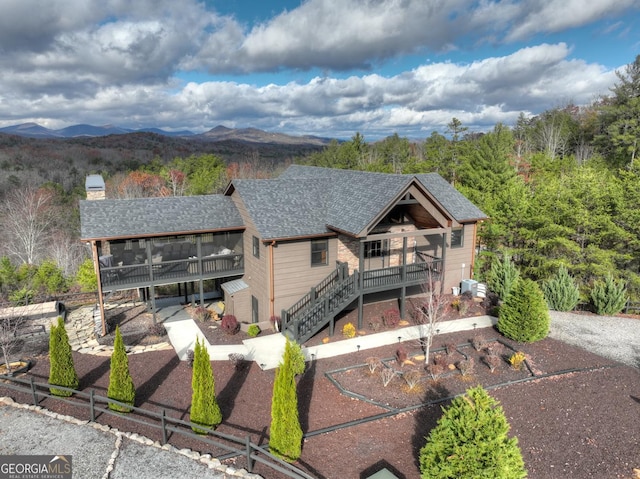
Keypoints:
(319, 252)
(255, 315)
(256, 247)
(457, 237)
(373, 249)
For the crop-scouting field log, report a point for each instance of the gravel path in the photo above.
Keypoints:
(616, 338)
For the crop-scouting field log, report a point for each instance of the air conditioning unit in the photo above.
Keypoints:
(470, 285)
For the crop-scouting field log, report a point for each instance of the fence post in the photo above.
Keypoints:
(164, 428)
(92, 404)
(249, 461)
(34, 391)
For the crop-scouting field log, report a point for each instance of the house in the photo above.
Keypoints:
(303, 246)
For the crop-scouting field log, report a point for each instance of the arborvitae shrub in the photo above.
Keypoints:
(204, 406)
(62, 371)
(253, 330)
(229, 324)
(285, 439)
(121, 386)
(609, 297)
(502, 276)
(524, 316)
(470, 441)
(561, 291)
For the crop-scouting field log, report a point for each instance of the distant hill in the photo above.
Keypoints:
(219, 133)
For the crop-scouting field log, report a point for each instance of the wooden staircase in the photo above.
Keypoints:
(337, 291)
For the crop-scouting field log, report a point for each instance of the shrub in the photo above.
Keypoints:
(229, 324)
(62, 371)
(471, 440)
(121, 386)
(561, 291)
(436, 370)
(502, 276)
(387, 375)
(236, 359)
(517, 360)
(285, 439)
(86, 276)
(391, 317)
(157, 329)
(253, 330)
(466, 366)
(401, 355)
(190, 357)
(492, 361)
(373, 363)
(478, 343)
(201, 314)
(441, 360)
(204, 406)
(610, 297)
(413, 378)
(49, 278)
(349, 330)
(275, 322)
(524, 316)
(451, 348)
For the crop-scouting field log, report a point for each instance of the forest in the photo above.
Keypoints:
(561, 189)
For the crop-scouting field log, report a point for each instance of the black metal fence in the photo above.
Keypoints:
(232, 446)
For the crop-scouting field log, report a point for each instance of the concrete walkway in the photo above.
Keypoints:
(266, 350)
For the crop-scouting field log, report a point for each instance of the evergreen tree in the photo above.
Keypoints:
(502, 276)
(204, 406)
(609, 297)
(524, 316)
(121, 386)
(470, 441)
(62, 371)
(286, 433)
(561, 291)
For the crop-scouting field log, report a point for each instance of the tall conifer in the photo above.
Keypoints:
(62, 371)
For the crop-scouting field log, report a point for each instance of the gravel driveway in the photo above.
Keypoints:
(613, 337)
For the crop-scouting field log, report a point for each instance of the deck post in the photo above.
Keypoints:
(403, 276)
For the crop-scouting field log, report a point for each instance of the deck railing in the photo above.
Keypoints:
(118, 277)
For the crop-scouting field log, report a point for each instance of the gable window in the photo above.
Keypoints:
(256, 247)
(457, 237)
(319, 252)
(373, 249)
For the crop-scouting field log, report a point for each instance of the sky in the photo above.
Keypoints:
(328, 68)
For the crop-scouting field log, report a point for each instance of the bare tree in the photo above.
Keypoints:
(8, 337)
(29, 214)
(429, 313)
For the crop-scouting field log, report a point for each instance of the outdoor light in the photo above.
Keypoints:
(437, 331)
(358, 346)
(474, 325)
(262, 365)
(399, 338)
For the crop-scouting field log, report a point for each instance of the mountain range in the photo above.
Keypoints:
(219, 133)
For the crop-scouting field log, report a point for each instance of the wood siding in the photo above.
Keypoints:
(294, 276)
(456, 257)
(256, 270)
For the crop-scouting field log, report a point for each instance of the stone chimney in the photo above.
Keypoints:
(94, 186)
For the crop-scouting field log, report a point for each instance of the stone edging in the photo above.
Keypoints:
(206, 459)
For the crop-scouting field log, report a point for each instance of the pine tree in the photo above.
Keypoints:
(204, 407)
(286, 433)
(610, 297)
(502, 276)
(121, 386)
(471, 441)
(561, 291)
(524, 316)
(62, 371)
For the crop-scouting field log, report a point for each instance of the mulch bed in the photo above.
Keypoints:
(575, 414)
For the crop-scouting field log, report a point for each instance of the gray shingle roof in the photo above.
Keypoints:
(120, 218)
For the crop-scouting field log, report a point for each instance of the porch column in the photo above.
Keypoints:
(444, 261)
(153, 288)
(96, 263)
(403, 289)
(361, 284)
(201, 282)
